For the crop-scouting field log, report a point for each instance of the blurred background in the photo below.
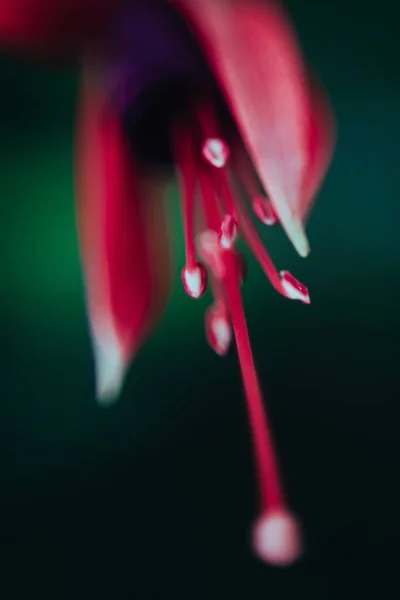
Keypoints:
(154, 498)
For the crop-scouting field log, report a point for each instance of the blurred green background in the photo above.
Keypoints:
(153, 498)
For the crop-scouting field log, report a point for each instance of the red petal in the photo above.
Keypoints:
(254, 53)
(53, 28)
(124, 245)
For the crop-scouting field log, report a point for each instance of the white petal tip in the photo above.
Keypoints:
(107, 396)
(277, 539)
(298, 237)
(110, 372)
(294, 229)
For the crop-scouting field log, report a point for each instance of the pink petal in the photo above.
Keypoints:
(254, 53)
(123, 233)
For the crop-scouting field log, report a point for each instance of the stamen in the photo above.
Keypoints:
(194, 280)
(270, 489)
(194, 276)
(256, 246)
(284, 283)
(215, 150)
(218, 328)
(276, 534)
(228, 233)
(262, 207)
(217, 324)
(187, 184)
(293, 288)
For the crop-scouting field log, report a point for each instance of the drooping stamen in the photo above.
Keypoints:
(293, 288)
(271, 494)
(276, 534)
(262, 207)
(256, 246)
(194, 280)
(228, 233)
(218, 328)
(284, 283)
(217, 155)
(216, 152)
(207, 123)
(217, 323)
(194, 275)
(264, 211)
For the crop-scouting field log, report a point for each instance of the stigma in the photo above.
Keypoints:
(211, 166)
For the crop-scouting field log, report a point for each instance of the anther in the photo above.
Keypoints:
(216, 152)
(218, 329)
(293, 288)
(194, 280)
(228, 233)
(264, 211)
(277, 538)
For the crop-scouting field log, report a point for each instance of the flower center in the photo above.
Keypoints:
(207, 165)
(156, 67)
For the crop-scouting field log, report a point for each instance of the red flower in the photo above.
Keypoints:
(273, 122)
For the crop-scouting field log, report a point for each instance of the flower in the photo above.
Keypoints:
(219, 90)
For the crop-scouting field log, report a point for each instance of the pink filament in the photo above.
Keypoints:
(260, 252)
(187, 178)
(270, 488)
(210, 206)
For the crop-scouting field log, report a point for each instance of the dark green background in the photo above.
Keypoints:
(153, 498)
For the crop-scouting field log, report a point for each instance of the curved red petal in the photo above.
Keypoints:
(253, 50)
(123, 233)
(53, 28)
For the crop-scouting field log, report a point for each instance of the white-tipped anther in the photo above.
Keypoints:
(277, 538)
(222, 333)
(194, 280)
(218, 329)
(293, 288)
(263, 210)
(216, 152)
